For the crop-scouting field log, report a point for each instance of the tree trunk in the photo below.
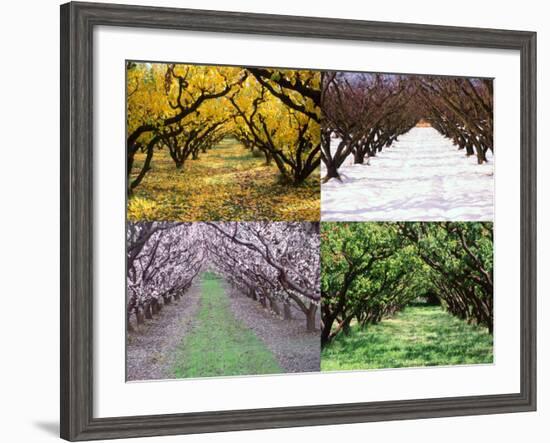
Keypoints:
(129, 165)
(480, 156)
(432, 299)
(359, 157)
(148, 314)
(311, 317)
(287, 311)
(325, 332)
(346, 329)
(139, 317)
(274, 307)
(332, 172)
(129, 326)
(155, 307)
(299, 177)
(144, 169)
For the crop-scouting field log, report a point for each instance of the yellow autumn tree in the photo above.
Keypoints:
(280, 120)
(186, 109)
(161, 97)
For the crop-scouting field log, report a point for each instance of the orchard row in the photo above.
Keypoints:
(294, 118)
(352, 272)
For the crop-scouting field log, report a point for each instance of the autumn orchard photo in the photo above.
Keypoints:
(222, 143)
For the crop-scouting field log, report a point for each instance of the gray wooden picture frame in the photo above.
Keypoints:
(77, 24)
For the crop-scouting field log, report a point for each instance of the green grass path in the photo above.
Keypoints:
(417, 336)
(218, 344)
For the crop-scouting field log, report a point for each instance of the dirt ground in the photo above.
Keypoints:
(295, 349)
(151, 350)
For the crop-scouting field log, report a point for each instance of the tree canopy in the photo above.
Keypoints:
(276, 264)
(187, 109)
(372, 270)
(364, 113)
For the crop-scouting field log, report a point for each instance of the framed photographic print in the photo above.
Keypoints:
(273, 221)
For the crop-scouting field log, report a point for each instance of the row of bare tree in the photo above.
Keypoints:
(363, 113)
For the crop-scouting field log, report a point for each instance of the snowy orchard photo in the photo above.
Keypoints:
(406, 148)
(222, 299)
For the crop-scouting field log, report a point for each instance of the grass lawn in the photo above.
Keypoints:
(416, 336)
(218, 344)
(226, 183)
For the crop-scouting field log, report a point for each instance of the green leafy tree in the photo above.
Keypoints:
(372, 270)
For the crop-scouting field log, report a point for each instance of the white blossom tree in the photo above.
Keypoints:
(276, 264)
(162, 259)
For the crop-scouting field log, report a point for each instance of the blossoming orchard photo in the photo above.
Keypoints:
(219, 299)
(289, 221)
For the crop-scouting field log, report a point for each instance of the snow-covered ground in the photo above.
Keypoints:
(422, 176)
